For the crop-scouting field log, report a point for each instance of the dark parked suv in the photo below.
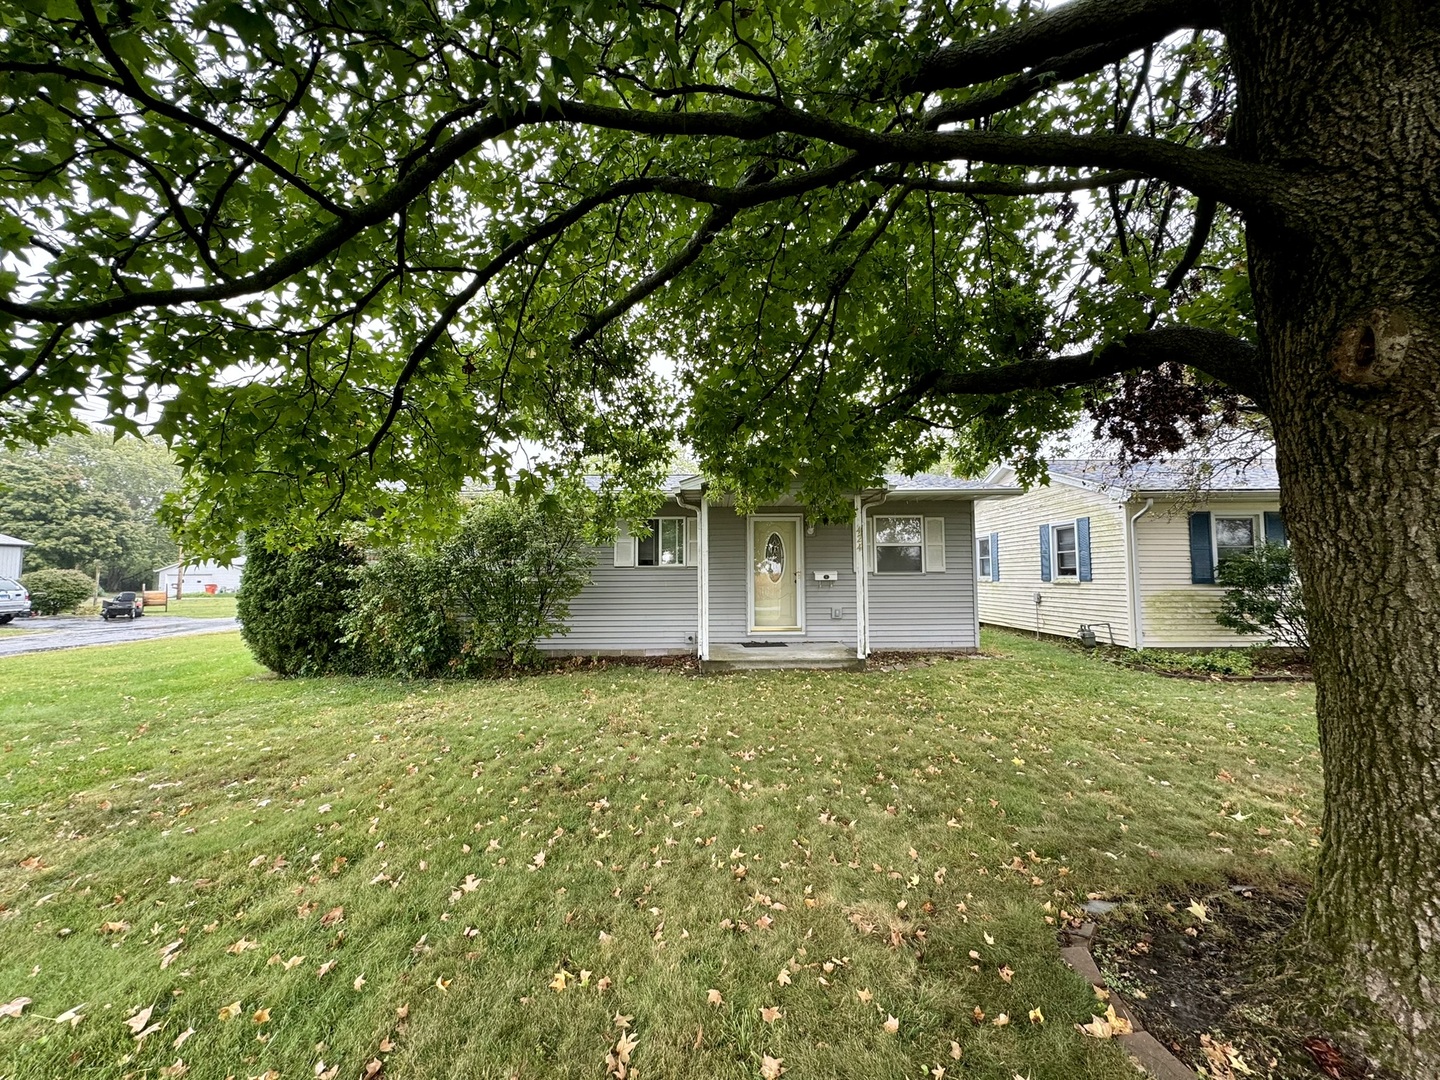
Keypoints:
(14, 600)
(125, 605)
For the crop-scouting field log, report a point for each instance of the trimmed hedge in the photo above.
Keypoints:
(292, 604)
(54, 591)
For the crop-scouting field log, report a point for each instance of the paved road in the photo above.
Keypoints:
(45, 634)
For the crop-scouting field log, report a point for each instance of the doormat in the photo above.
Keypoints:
(764, 645)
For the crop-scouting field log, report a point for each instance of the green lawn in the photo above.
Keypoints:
(843, 848)
(200, 607)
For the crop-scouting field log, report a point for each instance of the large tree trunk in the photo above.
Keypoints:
(1349, 320)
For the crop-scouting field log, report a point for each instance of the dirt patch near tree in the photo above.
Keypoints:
(1207, 977)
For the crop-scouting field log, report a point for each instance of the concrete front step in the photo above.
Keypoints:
(806, 655)
(854, 663)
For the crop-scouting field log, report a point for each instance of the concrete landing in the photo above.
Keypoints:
(810, 655)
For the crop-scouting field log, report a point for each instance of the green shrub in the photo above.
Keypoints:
(399, 623)
(1215, 662)
(292, 604)
(1262, 596)
(54, 591)
(479, 601)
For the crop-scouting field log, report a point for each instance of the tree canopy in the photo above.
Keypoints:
(355, 253)
(340, 246)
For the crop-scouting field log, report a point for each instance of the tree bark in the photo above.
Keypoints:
(1348, 94)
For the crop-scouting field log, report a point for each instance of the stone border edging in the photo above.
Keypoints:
(1147, 1051)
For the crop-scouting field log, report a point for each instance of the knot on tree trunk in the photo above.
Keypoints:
(1370, 351)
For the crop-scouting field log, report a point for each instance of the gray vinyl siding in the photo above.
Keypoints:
(638, 610)
(930, 610)
(829, 547)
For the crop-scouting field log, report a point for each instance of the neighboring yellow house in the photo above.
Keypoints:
(1129, 553)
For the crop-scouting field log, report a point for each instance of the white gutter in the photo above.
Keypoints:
(1132, 577)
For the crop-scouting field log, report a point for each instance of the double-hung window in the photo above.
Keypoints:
(1067, 553)
(1233, 536)
(665, 546)
(899, 545)
(984, 565)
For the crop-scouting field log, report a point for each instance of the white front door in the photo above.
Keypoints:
(775, 566)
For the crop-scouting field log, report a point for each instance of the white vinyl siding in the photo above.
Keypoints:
(1063, 607)
(932, 610)
(1178, 614)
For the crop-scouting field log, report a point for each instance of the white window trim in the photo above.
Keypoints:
(684, 537)
(876, 545)
(1056, 577)
(989, 557)
(769, 631)
(1257, 531)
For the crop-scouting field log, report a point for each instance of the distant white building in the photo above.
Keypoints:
(200, 575)
(12, 556)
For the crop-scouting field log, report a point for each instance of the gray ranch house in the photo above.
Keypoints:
(1129, 553)
(776, 588)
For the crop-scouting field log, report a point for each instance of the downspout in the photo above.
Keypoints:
(1132, 586)
(862, 575)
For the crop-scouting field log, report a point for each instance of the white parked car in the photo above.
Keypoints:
(14, 600)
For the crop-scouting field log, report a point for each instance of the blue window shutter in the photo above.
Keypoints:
(995, 556)
(1044, 552)
(1082, 546)
(1275, 529)
(1202, 555)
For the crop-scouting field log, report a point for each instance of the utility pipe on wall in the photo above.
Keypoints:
(1137, 631)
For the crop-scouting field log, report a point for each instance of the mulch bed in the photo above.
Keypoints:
(1214, 991)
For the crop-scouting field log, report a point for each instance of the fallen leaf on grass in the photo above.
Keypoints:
(784, 977)
(1107, 1026)
(955, 1051)
(771, 1068)
(1199, 910)
(229, 1012)
(770, 1014)
(137, 1022)
(1036, 1016)
(14, 1008)
(892, 1024)
(372, 1068)
(359, 983)
(333, 916)
(180, 1039)
(243, 945)
(1007, 973)
(262, 1016)
(864, 995)
(560, 981)
(169, 952)
(1001, 1021)
(713, 998)
(114, 927)
(325, 968)
(178, 1069)
(71, 1016)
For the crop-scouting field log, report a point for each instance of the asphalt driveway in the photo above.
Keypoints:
(68, 632)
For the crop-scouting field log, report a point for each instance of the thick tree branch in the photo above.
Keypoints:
(1219, 355)
(1018, 188)
(1209, 173)
(1119, 26)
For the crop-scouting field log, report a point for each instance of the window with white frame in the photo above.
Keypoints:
(665, 546)
(899, 545)
(1233, 536)
(983, 559)
(1067, 552)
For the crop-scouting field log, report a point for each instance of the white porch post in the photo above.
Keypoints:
(862, 630)
(702, 632)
